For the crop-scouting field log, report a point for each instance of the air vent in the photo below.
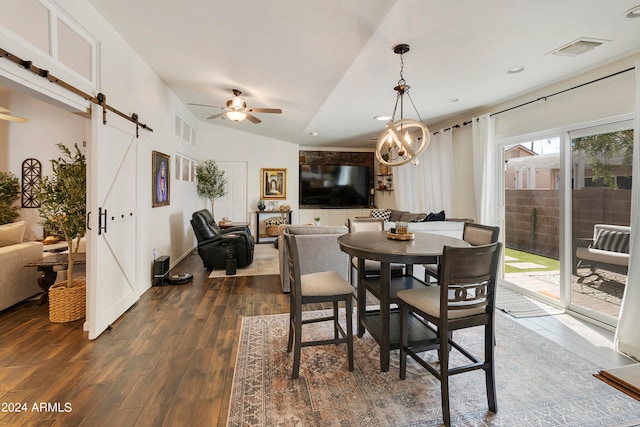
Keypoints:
(578, 47)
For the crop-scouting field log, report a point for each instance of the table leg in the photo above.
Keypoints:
(45, 281)
(361, 293)
(385, 315)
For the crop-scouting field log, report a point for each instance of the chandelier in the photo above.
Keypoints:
(402, 140)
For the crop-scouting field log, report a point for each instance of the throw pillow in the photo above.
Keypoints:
(613, 241)
(383, 214)
(12, 233)
(435, 216)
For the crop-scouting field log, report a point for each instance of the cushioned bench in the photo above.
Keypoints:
(608, 247)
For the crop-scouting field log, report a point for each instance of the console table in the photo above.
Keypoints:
(49, 274)
(270, 213)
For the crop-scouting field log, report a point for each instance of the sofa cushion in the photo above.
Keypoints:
(612, 240)
(417, 217)
(395, 215)
(383, 214)
(12, 233)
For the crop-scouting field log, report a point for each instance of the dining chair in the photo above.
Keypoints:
(371, 267)
(465, 298)
(472, 233)
(316, 287)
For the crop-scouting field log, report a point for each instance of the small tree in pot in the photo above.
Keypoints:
(9, 193)
(63, 200)
(212, 183)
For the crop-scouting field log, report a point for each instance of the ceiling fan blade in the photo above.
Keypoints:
(12, 118)
(265, 110)
(253, 119)
(215, 116)
(4, 110)
(207, 105)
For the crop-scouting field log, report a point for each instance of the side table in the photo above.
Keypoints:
(49, 274)
(230, 241)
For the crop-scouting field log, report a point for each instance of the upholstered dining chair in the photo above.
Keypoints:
(371, 267)
(464, 298)
(472, 233)
(317, 287)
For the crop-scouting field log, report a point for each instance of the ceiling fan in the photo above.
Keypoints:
(4, 115)
(237, 110)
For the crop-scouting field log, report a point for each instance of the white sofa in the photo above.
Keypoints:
(609, 247)
(17, 282)
(422, 222)
(449, 227)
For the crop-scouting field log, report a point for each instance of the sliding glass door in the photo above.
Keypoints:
(559, 192)
(601, 173)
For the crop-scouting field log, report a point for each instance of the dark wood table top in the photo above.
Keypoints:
(375, 245)
(57, 260)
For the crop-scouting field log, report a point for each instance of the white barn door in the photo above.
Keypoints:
(113, 241)
(234, 204)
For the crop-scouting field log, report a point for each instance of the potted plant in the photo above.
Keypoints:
(9, 193)
(316, 221)
(63, 200)
(261, 205)
(212, 183)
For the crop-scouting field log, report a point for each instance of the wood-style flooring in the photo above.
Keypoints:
(169, 360)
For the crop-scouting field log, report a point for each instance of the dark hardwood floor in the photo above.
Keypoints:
(168, 361)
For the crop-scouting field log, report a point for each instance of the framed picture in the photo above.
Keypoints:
(160, 179)
(273, 184)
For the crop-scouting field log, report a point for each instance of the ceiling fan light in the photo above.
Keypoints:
(236, 116)
(237, 102)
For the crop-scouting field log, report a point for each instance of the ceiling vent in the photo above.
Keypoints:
(578, 47)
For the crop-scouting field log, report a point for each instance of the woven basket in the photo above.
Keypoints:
(273, 225)
(67, 304)
(273, 230)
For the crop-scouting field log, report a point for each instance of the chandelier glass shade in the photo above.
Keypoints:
(402, 140)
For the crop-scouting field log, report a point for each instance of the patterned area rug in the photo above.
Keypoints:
(265, 261)
(539, 384)
(518, 305)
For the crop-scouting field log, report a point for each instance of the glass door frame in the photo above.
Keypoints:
(625, 121)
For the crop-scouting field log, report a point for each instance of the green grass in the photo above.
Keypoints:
(549, 263)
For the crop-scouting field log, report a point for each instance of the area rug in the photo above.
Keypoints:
(519, 305)
(265, 261)
(539, 383)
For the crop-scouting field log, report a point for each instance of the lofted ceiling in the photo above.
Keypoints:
(330, 66)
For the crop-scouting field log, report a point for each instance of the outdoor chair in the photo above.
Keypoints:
(312, 288)
(465, 298)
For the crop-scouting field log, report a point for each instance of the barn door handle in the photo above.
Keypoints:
(87, 221)
(102, 216)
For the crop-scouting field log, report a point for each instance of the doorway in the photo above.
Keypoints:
(556, 189)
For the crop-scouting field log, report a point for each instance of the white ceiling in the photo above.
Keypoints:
(329, 64)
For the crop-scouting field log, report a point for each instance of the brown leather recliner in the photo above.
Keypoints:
(212, 246)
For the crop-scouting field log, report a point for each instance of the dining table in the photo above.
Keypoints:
(383, 322)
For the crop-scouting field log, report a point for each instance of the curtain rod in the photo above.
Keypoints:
(100, 99)
(544, 98)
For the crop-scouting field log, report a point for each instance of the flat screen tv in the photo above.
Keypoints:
(334, 186)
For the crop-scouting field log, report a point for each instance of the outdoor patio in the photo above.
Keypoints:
(601, 291)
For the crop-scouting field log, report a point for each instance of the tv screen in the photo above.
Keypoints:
(334, 186)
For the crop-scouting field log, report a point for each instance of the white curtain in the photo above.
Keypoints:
(426, 187)
(484, 173)
(627, 339)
